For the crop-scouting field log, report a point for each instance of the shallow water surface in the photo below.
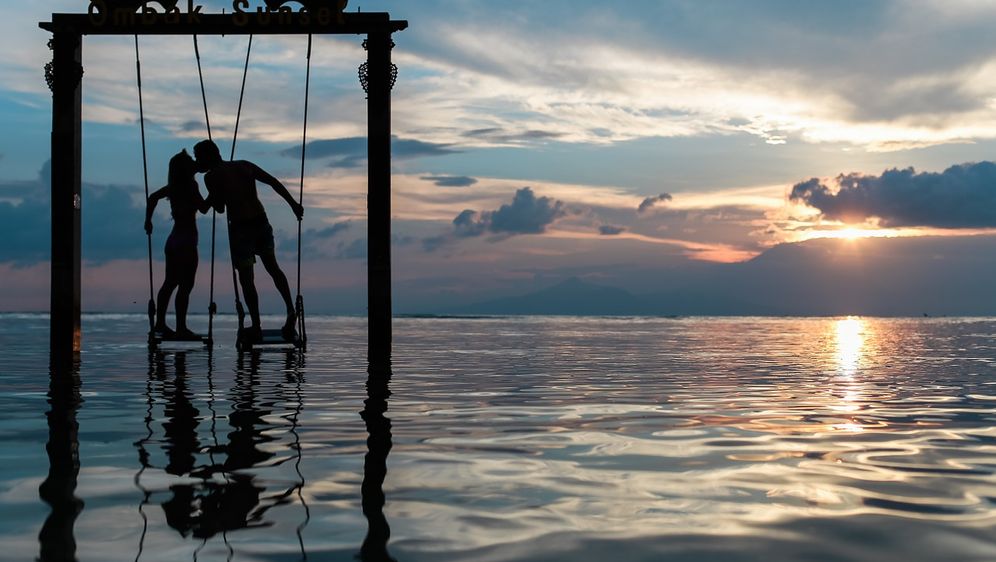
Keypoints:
(507, 439)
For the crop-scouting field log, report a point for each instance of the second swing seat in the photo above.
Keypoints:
(266, 337)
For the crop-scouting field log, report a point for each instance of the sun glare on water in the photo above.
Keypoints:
(849, 340)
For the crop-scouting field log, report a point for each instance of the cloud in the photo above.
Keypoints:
(526, 214)
(468, 223)
(312, 237)
(650, 202)
(191, 126)
(611, 230)
(355, 250)
(345, 152)
(331, 231)
(351, 152)
(433, 243)
(450, 181)
(499, 135)
(962, 196)
(411, 148)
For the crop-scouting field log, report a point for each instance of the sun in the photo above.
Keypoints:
(852, 234)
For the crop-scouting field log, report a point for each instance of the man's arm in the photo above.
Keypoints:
(260, 175)
(150, 206)
(213, 199)
(203, 205)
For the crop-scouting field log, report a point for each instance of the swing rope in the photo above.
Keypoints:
(212, 306)
(145, 172)
(235, 137)
(242, 92)
(299, 304)
(200, 75)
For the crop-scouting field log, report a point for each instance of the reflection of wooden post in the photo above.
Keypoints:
(375, 463)
(56, 538)
(379, 46)
(65, 75)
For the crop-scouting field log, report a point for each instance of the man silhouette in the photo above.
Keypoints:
(232, 186)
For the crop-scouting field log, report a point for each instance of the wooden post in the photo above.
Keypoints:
(379, 82)
(65, 76)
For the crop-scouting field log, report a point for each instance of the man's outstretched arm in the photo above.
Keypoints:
(259, 174)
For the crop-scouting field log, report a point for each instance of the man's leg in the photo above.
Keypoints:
(249, 294)
(280, 280)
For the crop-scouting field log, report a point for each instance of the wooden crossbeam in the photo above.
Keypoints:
(294, 23)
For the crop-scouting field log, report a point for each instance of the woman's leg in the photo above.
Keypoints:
(186, 285)
(165, 292)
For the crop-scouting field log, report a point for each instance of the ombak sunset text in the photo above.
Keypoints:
(131, 12)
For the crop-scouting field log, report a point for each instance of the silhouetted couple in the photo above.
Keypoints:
(231, 187)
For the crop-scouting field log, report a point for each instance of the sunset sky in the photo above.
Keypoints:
(620, 143)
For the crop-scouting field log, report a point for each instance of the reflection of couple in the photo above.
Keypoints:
(230, 185)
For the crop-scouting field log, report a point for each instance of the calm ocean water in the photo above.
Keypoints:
(508, 439)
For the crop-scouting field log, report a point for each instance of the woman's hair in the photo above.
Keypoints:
(181, 169)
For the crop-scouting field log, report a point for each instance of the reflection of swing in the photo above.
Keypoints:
(207, 496)
(267, 337)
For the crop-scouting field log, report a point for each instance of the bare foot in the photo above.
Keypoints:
(185, 333)
(289, 330)
(252, 333)
(164, 331)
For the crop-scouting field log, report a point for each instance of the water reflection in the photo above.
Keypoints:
(374, 548)
(214, 489)
(657, 439)
(56, 538)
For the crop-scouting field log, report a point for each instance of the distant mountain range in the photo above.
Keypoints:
(936, 276)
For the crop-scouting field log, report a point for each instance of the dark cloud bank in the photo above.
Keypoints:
(112, 221)
(962, 196)
(908, 276)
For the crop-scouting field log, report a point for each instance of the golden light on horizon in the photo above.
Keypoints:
(851, 234)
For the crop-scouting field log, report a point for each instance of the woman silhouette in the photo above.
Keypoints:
(181, 247)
